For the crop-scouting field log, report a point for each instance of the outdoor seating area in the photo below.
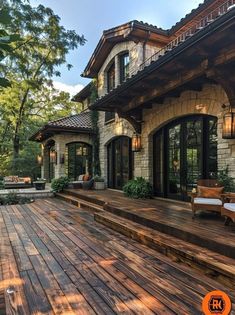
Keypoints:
(17, 182)
(209, 196)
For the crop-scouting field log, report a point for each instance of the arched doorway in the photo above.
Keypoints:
(79, 159)
(184, 151)
(119, 162)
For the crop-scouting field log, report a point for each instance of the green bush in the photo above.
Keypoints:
(138, 188)
(59, 184)
(225, 180)
(13, 199)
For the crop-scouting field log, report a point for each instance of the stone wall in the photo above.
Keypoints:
(136, 52)
(208, 101)
(60, 146)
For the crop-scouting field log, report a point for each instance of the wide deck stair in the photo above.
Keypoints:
(207, 255)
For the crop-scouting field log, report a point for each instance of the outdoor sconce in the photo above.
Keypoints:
(136, 142)
(53, 156)
(40, 160)
(228, 124)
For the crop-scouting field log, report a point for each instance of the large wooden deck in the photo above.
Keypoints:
(54, 259)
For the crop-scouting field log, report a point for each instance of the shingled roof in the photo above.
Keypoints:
(79, 123)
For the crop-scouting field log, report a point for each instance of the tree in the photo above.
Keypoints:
(30, 66)
(5, 41)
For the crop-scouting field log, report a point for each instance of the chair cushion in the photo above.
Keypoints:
(209, 192)
(230, 206)
(208, 201)
(86, 177)
(80, 177)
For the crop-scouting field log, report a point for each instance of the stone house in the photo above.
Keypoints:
(163, 96)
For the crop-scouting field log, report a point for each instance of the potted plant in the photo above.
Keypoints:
(39, 184)
(99, 183)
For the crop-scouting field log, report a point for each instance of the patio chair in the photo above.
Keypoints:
(209, 196)
(228, 209)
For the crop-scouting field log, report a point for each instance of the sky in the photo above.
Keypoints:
(92, 17)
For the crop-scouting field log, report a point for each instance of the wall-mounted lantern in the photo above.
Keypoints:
(40, 160)
(228, 124)
(53, 156)
(136, 142)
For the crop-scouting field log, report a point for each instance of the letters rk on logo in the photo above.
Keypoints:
(216, 304)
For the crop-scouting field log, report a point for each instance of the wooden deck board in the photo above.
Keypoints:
(62, 262)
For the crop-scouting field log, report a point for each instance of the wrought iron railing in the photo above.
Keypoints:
(197, 27)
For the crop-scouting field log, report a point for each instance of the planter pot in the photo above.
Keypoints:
(39, 185)
(99, 185)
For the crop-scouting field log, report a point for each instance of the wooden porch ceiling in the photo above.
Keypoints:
(206, 57)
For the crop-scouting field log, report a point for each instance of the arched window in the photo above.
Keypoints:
(79, 159)
(184, 151)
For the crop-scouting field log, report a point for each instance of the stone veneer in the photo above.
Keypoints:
(60, 146)
(136, 52)
(208, 101)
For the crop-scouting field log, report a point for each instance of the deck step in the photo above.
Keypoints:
(81, 203)
(87, 197)
(172, 230)
(216, 266)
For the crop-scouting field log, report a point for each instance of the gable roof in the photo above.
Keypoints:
(133, 30)
(79, 123)
(138, 30)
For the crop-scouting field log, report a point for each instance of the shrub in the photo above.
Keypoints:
(225, 180)
(13, 199)
(138, 188)
(59, 184)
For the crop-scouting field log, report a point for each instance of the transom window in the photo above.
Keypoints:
(124, 60)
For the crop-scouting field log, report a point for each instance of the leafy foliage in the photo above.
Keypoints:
(59, 184)
(29, 65)
(138, 188)
(226, 181)
(96, 136)
(13, 199)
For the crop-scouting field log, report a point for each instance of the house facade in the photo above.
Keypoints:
(162, 98)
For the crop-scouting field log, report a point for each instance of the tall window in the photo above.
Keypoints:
(124, 66)
(111, 77)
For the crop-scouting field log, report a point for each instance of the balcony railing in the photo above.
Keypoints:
(210, 18)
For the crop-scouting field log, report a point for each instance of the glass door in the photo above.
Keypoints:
(184, 151)
(119, 162)
(174, 162)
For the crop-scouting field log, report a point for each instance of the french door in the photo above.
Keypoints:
(184, 151)
(119, 162)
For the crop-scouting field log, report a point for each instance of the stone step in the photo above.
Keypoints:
(80, 203)
(216, 266)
